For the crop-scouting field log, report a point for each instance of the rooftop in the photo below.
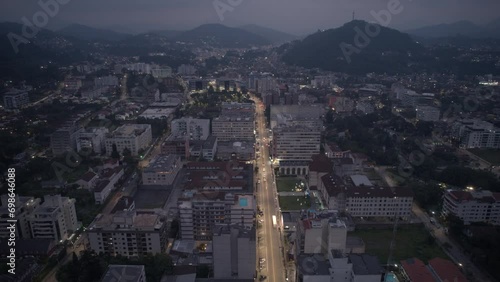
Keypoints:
(364, 264)
(162, 163)
(416, 270)
(123, 273)
(446, 270)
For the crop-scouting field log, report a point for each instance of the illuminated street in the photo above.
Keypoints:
(269, 245)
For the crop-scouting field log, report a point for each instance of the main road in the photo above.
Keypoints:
(269, 243)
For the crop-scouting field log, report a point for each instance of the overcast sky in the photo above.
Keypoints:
(293, 16)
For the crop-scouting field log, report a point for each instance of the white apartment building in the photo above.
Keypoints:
(186, 69)
(92, 140)
(128, 233)
(235, 123)
(162, 170)
(428, 113)
(161, 72)
(295, 143)
(54, 219)
(293, 115)
(477, 134)
(322, 233)
(64, 140)
(200, 212)
(131, 136)
(24, 208)
(473, 206)
(365, 201)
(196, 129)
(234, 252)
(15, 99)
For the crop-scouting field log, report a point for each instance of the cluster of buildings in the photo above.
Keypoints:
(41, 223)
(475, 133)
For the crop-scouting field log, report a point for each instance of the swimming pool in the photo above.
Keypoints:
(391, 277)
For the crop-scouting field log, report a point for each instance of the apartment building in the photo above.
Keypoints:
(24, 208)
(92, 140)
(200, 212)
(54, 219)
(234, 252)
(134, 137)
(15, 99)
(162, 170)
(194, 128)
(64, 140)
(320, 233)
(428, 113)
(365, 201)
(235, 123)
(473, 206)
(230, 176)
(295, 143)
(477, 134)
(128, 233)
(109, 80)
(292, 115)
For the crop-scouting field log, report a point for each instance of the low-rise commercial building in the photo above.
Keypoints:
(15, 99)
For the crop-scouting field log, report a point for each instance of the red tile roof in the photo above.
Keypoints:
(321, 163)
(416, 270)
(446, 270)
(89, 175)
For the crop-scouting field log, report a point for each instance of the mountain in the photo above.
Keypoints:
(274, 36)
(167, 33)
(341, 49)
(461, 29)
(221, 36)
(88, 33)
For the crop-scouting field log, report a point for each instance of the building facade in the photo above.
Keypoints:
(473, 206)
(134, 137)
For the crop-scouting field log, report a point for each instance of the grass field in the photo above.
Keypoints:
(490, 155)
(290, 203)
(410, 242)
(286, 184)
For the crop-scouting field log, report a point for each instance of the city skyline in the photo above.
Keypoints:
(131, 17)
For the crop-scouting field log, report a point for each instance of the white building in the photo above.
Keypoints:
(197, 129)
(109, 80)
(320, 234)
(473, 206)
(295, 143)
(477, 134)
(199, 212)
(234, 252)
(64, 140)
(162, 170)
(24, 207)
(54, 219)
(186, 69)
(365, 201)
(428, 113)
(15, 99)
(161, 72)
(92, 140)
(128, 233)
(134, 137)
(235, 123)
(157, 113)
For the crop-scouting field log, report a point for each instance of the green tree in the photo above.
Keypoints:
(114, 152)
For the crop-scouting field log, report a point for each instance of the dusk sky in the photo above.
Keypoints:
(293, 16)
